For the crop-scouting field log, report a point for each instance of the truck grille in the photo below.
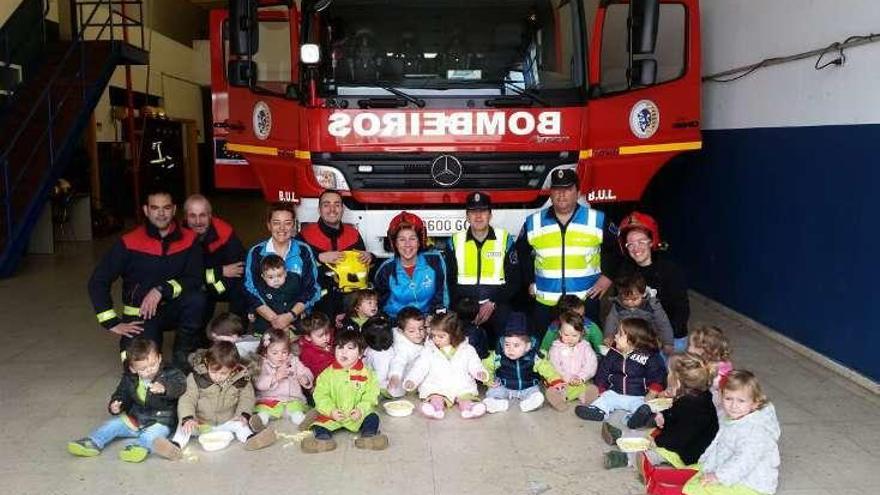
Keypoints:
(483, 171)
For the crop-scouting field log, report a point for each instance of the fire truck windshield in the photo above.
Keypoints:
(451, 47)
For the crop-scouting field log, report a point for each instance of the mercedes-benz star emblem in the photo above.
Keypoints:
(446, 170)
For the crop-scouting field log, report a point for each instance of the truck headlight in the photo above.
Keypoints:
(330, 178)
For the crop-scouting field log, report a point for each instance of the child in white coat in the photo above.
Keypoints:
(409, 340)
(446, 371)
(744, 457)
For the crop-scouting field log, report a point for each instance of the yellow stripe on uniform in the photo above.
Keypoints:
(176, 288)
(209, 276)
(219, 287)
(106, 315)
(131, 311)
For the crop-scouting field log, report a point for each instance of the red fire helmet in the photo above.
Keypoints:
(403, 220)
(642, 221)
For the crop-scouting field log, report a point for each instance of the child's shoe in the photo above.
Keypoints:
(589, 413)
(640, 418)
(531, 402)
(257, 423)
(133, 453)
(615, 459)
(260, 440)
(310, 417)
(496, 405)
(374, 442)
(556, 398)
(167, 449)
(476, 410)
(610, 434)
(312, 445)
(429, 411)
(84, 447)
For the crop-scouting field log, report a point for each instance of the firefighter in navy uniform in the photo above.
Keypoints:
(329, 237)
(223, 255)
(482, 265)
(161, 268)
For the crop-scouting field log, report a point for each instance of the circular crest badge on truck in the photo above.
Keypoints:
(644, 119)
(262, 120)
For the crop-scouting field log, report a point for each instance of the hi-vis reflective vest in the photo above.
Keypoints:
(480, 267)
(565, 263)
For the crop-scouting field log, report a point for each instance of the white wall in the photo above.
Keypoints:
(176, 71)
(741, 32)
(201, 62)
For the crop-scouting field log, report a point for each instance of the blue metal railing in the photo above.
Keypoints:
(67, 83)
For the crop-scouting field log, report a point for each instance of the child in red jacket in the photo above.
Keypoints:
(316, 346)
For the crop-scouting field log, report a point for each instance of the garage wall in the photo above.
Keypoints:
(175, 76)
(776, 217)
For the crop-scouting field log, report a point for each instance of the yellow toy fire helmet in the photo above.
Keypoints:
(350, 272)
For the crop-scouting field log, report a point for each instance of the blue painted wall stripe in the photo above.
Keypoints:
(782, 224)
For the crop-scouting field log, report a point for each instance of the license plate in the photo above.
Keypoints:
(444, 226)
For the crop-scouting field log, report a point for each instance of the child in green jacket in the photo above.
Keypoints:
(345, 394)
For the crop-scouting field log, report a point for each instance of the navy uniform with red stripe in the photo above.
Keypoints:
(222, 247)
(146, 260)
(322, 238)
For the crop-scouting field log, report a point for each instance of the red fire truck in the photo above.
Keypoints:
(411, 104)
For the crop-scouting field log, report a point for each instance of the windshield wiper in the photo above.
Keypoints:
(410, 98)
(400, 99)
(522, 96)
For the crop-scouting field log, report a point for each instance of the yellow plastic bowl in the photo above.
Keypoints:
(660, 404)
(633, 444)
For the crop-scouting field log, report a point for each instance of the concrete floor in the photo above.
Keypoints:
(57, 369)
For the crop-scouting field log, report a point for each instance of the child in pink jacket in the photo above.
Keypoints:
(574, 359)
(281, 379)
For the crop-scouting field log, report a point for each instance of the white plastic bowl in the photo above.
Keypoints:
(398, 408)
(215, 440)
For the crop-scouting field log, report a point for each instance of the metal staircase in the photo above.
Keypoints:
(43, 118)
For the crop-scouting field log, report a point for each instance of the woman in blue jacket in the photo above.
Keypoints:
(414, 276)
(302, 271)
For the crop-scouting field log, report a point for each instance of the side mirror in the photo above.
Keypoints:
(643, 72)
(309, 54)
(644, 17)
(244, 28)
(240, 73)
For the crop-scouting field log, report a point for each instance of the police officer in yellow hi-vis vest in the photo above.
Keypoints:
(560, 248)
(483, 266)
